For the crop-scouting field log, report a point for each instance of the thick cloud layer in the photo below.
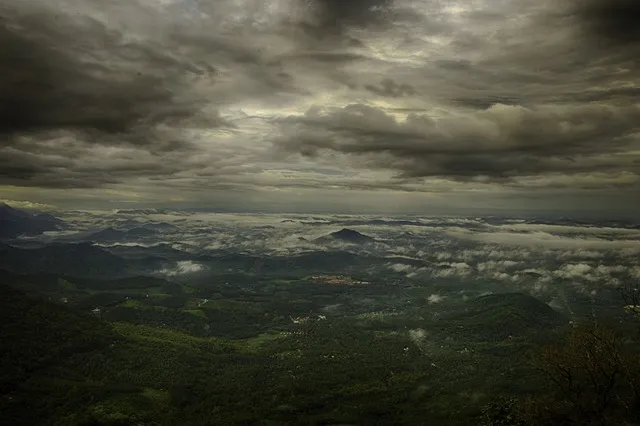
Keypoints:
(253, 104)
(615, 21)
(336, 14)
(499, 142)
(102, 83)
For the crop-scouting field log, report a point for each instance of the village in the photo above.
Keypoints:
(337, 280)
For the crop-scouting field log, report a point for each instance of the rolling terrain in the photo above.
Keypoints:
(111, 325)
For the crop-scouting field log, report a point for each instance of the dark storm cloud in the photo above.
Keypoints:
(140, 94)
(556, 97)
(98, 82)
(328, 31)
(391, 89)
(560, 52)
(486, 102)
(499, 144)
(615, 22)
(55, 164)
(83, 105)
(336, 15)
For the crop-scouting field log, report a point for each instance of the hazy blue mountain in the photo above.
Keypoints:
(108, 234)
(160, 226)
(43, 283)
(83, 259)
(115, 235)
(48, 218)
(14, 222)
(163, 250)
(139, 232)
(139, 212)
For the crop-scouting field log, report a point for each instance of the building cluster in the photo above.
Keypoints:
(339, 280)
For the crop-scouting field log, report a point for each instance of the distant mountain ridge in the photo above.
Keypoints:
(140, 211)
(145, 212)
(15, 223)
(113, 235)
(140, 231)
(78, 259)
(160, 226)
(45, 283)
(109, 234)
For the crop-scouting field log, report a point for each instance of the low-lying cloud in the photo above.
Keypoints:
(184, 267)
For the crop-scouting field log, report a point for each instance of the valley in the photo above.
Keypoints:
(163, 331)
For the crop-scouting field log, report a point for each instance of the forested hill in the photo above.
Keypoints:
(156, 352)
(37, 333)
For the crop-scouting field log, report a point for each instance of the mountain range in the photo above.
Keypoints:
(15, 223)
(112, 235)
(78, 260)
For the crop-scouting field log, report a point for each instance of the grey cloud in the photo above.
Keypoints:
(335, 15)
(329, 57)
(613, 21)
(525, 98)
(484, 102)
(337, 33)
(391, 89)
(499, 143)
(67, 162)
(557, 53)
(74, 73)
(72, 85)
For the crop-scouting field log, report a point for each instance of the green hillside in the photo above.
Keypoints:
(500, 316)
(143, 363)
(37, 334)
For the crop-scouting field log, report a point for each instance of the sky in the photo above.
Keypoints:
(394, 106)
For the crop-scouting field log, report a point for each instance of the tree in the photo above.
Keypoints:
(593, 372)
(630, 294)
(503, 412)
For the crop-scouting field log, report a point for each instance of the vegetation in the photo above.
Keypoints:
(593, 376)
(285, 351)
(37, 334)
